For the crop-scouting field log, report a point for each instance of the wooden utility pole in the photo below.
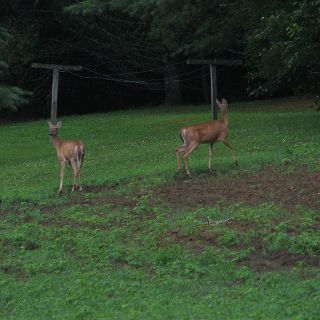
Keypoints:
(55, 83)
(213, 76)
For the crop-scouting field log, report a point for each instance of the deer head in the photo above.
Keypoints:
(223, 105)
(54, 128)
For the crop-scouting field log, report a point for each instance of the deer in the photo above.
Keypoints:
(205, 133)
(70, 151)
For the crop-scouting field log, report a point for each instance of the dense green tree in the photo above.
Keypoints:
(143, 45)
(11, 97)
(180, 29)
(142, 24)
(284, 50)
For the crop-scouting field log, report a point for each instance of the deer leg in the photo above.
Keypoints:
(79, 172)
(186, 155)
(210, 156)
(180, 150)
(75, 175)
(79, 179)
(62, 165)
(226, 143)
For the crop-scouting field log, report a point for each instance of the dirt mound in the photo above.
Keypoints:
(297, 188)
(277, 260)
(259, 259)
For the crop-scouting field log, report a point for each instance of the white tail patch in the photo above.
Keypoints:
(76, 153)
(79, 155)
(183, 136)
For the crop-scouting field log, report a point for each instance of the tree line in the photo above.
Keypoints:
(134, 51)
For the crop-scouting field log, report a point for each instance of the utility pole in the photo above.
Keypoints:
(55, 83)
(213, 76)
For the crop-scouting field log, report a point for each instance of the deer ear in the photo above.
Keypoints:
(218, 103)
(59, 124)
(49, 124)
(224, 101)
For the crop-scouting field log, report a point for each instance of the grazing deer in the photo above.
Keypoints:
(205, 133)
(71, 151)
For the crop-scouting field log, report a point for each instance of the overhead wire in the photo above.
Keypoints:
(149, 84)
(156, 84)
(118, 76)
(144, 71)
(85, 34)
(146, 82)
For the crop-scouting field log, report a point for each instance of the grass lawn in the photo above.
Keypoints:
(142, 242)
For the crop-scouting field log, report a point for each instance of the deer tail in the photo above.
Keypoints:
(80, 155)
(183, 134)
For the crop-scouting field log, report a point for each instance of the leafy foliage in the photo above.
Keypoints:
(283, 51)
(11, 97)
(140, 48)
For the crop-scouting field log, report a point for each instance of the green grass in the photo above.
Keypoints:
(82, 256)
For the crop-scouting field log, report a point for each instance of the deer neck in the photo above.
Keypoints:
(56, 141)
(224, 117)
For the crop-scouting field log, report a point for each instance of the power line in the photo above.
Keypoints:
(144, 71)
(147, 84)
(157, 84)
(142, 82)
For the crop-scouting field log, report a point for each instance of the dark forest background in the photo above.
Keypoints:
(134, 53)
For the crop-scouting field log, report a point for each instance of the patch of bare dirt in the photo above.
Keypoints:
(195, 242)
(241, 226)
(112, 200)
(278, 260)
(13, 210)
(259, 259)
(17, 272)
(74, 224)
(297, 188)
(54, 208)
(104, 195)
